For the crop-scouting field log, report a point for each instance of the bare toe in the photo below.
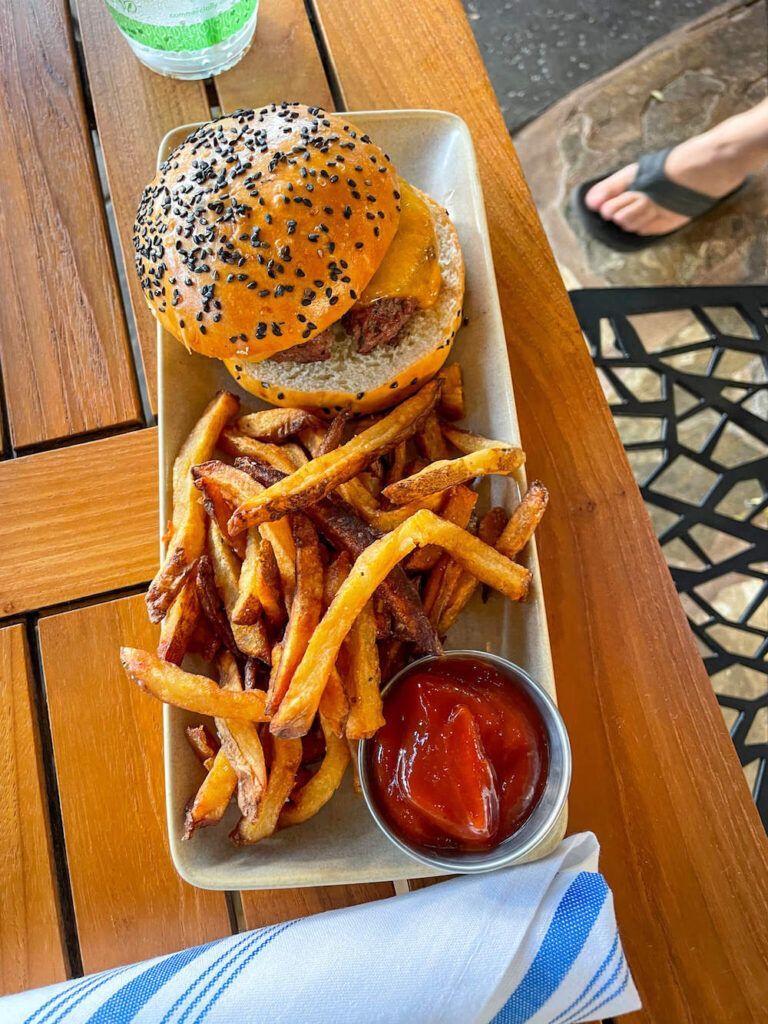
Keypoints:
(612, 206)
(610, 187)
(635, 214)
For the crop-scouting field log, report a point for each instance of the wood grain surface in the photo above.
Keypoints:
(65, 355)
(31, 948)
(271, 906)
(134, 109)
(655, 774)
(282, 64)
(78, 521)
(107, 738)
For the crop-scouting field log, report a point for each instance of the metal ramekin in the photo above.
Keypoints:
(546, 813)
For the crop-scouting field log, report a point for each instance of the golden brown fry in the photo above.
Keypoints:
(449, 472)
(298, 707)
(397, 458)
(253, 639)
(335, 575)
(334, 703)
(524, 520)
(212, 798)
(430, 441)
(248, 607)
(211, 603)
(306, 608)
(356, 494)
(492, 525)
(241, 744)
(315, 793)
(489, 530)
(468, 442)
(452, 399)
(296, 454)
(279, 535)
(286, 758)
(366, 713)
(440, 583)
(230, 484)
(277, 424)
(388, 519)
(353, 744)
(334, 435)
(173, 685)
(268, 585)
(179, 623)
(203, 640)
(458, 505)
(320, 476)
(202, 741)
(188, 538)
(235, 443)
(220, 510)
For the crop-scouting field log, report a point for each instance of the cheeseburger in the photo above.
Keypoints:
(284, 242)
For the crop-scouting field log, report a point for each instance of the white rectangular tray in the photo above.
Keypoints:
(434, 151)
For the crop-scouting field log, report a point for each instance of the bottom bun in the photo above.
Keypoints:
(368, 383)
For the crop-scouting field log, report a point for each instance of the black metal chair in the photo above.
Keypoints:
(685, 371)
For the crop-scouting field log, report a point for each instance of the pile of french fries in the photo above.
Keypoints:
(307, 561)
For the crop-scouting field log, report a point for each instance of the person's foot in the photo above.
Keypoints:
(707, 163)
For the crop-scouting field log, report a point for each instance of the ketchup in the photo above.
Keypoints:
(462, 759)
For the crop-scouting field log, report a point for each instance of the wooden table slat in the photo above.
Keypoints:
(134, 109)
(31, 945)
(271, 906)
(282, 64)
(64, 349)
(78, 521)
(655, 774)
(107, 738)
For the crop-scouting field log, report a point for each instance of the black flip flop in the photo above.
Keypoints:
(651, 180)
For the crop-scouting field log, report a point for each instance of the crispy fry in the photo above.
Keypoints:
(492, 525)
(334, 435)
(489, 530)
(179, 623)
(366, 713)
(451, 403)
(296, 454)
(211, 602)
(234, 443)
(219, 510)
(397, 460)
(524, 520)
(447, 473)
(253, 639)
(392, 654)
(173, 685)
(320, 476)
(212, 798)
(254, 675)
(277, 424)
(300, 703)
(334, 703)
(468, 442)
(335, 575)
(203, 640)
(388, 519)
(188, 537)
(320, 788)
(230, 483)
(248, 607)
(430, 441)
(457, 507)
(240, 742)
(305, 611)
(440, 583)
(356, 494)
(202, 741)
(286, 759)
(268, 585)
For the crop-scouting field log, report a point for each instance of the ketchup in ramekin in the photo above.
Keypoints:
(462, 760)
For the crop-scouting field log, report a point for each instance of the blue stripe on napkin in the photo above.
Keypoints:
(568, 931)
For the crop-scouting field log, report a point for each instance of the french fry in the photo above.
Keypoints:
(305, 611)
(253, 639)
(366, 713)
(200, 694)
(211, 603)
(315, 793)
(334, 435)
(440, 583)
(489, 530)
(357, 495)
(334, 703)
(248, 607)
(524, 520)
(449, 472)
(392, 654)
(296, 454)
(179, 623)
(203, 640)
(397, 461)
(492, 525)
(335, 575)
(277, 424)
(286, 759)
(458, 505)
(254, 674)
(430, 441)
(219, 510)
(451, 403)
(268, 585)
(235, 443)
(467, 442)
(228, 483)
(320, 476)
(353, 745)
(300, 703)
(188, 539)
(241, 744)
(202, 741)
(211, 801)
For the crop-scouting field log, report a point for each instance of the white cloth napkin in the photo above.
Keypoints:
(536, 943)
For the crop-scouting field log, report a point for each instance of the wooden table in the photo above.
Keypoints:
(87, 880)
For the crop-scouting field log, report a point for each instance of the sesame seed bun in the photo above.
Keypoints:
(263, 228)
(373, 381)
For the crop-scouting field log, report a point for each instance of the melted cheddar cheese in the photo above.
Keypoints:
(410, 268)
